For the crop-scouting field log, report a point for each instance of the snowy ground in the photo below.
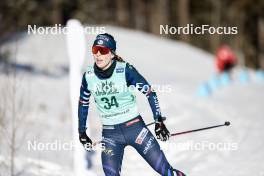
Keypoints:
(163, 62)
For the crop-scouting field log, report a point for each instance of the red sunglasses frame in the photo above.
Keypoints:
(103, 50)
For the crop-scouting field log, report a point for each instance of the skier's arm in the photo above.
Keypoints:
(133, 77)
(83, 105)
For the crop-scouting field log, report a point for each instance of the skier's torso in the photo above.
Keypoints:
(114, 101)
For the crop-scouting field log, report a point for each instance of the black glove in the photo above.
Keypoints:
(161, 131)
(86, 141)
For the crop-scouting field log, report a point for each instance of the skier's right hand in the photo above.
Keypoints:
(86, 141)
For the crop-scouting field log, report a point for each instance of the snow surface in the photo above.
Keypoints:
(163, 62)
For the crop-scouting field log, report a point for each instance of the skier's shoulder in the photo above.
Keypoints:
(89, 70)
(131, 72)
(129, 67)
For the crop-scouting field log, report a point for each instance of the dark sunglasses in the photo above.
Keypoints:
(101, 49)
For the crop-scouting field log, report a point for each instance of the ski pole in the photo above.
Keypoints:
(149, 124)
(200, 129)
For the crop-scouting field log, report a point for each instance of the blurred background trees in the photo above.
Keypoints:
(148, 15)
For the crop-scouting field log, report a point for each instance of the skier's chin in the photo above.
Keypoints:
(101, 64)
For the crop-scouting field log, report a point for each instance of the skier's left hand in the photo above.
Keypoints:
(161, 131)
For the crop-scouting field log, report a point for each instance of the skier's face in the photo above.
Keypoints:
(103, 61)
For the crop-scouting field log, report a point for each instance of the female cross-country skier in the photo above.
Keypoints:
(122, 124)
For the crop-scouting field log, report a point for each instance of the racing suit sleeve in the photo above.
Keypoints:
(134, 78)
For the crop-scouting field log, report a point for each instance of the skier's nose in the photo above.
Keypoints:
(98, 54)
